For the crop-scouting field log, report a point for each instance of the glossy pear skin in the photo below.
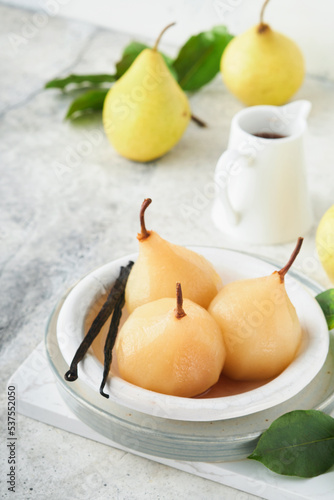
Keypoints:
(159, 352)
(160, 265)
(260, 327)
(146, 112)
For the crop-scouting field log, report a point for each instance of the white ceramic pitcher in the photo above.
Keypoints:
(261, 188)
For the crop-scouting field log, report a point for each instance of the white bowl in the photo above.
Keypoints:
(231, 265)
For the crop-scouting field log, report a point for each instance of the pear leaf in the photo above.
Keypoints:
(89, 102)
(299, 443)
(326, 302)
(129, 55)
(198, 61)
(131, 52)
(62, 83)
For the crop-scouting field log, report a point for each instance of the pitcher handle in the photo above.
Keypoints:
(227, 166)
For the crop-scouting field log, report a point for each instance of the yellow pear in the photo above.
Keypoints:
(325, 242)
(260, 326)
(177, 351)
(161, 264)
(262, 66)
(146, 112)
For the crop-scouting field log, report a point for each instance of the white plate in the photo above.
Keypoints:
(231, 265)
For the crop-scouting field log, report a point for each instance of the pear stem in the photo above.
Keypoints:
(198, 121)
(178, 311)
(262, 26)
(294, 254)
(144, 233)
(159, 37)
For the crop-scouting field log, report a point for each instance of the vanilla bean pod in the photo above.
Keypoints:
(116, 292)
(110, 341)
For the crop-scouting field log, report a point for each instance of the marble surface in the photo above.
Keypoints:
(69, 204)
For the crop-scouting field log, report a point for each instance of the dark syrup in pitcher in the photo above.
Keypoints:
(269, 135)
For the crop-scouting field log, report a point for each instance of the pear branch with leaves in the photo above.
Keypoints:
(205, 47)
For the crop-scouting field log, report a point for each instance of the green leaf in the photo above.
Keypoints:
(198, 61)
(326, 302)
(131, 52)
(129, 55)
(90, 101)
(61, 83)
(299, 443)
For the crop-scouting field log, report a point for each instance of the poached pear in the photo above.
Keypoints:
(177, 351)
(146, 112)
(262, 66)
(260, 326)
(161, 264)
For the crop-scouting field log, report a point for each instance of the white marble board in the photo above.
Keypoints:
(39, 399)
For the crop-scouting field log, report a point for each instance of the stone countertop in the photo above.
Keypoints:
(69, 204)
